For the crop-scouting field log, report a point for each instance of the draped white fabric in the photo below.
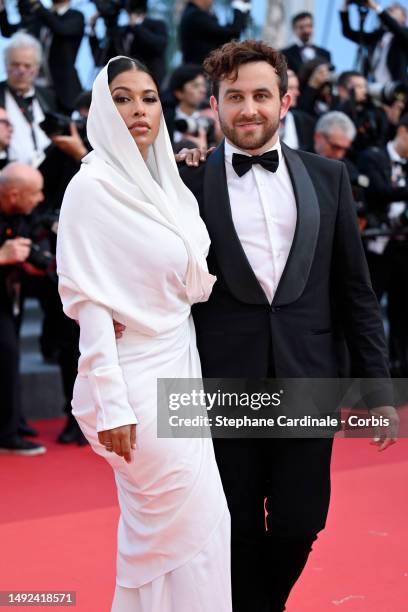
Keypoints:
(131, 246)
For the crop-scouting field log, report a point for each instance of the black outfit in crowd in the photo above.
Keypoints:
(241, 335)
(294, 57)
(10, 290)
(305, 125)
(371, 122)
(389, 270)
(146, 42)
(397, 60)
(200, 32)
(66, 33)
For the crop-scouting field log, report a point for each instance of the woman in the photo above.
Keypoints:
(132, 247)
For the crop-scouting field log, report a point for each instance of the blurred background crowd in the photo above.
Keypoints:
(53, 51)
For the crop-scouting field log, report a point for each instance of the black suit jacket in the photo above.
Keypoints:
(305, 125)
(397, 59)
(67, 30)
(148, 44)
(200, 33)
(375, 163)
(294, 57)
(325, 289)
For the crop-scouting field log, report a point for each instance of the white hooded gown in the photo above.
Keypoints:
(133, 248)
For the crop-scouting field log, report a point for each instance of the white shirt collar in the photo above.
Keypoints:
(393, 154)
(230, 149)
(61, 10)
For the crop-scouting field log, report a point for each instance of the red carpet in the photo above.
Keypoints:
(58, 522)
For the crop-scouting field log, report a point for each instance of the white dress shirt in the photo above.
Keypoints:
(288, 132)
(264, 214)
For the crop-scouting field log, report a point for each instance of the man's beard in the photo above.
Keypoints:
(250, 142)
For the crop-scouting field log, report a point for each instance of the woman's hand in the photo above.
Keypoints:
(120, 440)
(193, 157)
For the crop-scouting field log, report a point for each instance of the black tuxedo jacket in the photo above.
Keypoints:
(375, 163)
(325, 289)
(67, 31)
(397, 59)
(200, 33)
(294, 57)
(305, 126)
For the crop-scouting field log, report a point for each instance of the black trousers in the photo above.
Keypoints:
(290, 479)
(10, 399)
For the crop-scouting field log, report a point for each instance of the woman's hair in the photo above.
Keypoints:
(224, 62)
(124, 64)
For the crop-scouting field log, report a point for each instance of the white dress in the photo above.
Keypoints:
(120, 256)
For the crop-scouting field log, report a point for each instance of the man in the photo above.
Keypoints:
(187, 91)
(200, 32)
(387, 201)
(334, 135)
(6, 130)
(24, 102)
(297, 126)
(303, 50)
(370, 120)
(61, 33)
(20, 193)
(143, 38)
(271, 313)
(387, 46)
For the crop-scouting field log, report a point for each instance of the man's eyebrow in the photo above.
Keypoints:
(259, 90)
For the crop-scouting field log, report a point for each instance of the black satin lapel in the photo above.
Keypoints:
(296, 272)
(229, 253)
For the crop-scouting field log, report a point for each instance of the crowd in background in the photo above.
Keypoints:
(359, 116)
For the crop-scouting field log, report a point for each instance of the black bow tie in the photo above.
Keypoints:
(243, 163)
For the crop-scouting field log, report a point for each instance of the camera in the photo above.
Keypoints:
(56, 124)
(191, 126)
(390, 92)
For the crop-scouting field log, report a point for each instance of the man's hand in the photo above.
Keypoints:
(385, 436)
(71, 145)
(14, 251)
(119, 329)
(120, 440)
(193, 157)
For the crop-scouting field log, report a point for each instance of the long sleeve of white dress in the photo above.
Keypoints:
(99, 362)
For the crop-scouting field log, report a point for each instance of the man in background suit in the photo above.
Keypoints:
(387, 46)
(60, 30)
(297, 127)
(387, 205)
(303, 50)
(285, 248)
(200, 32)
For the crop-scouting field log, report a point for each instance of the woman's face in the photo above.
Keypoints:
(136, 98)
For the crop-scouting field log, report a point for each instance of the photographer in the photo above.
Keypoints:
(143, 38)
(303, 50)
(181, 107)
(316, 90)
(370, 120)
(61, 33)
(20, 193)
(387, 46)
(200, 32)
(387, 255)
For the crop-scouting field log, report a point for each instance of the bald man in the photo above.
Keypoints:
(20, 192)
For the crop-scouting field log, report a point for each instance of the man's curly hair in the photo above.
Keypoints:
(224, 62)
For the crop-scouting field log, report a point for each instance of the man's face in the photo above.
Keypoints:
(205, 5)
(402, 138)
(250, 108)
(333, 145)
(293, 88)
(22, 69)
(304, 29)
(29, 195)
(359, 85)
(398, 14)
(193, 92)
(6, 130)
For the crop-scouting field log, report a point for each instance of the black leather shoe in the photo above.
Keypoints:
(16, 445)
(24, 429)
(72, 434)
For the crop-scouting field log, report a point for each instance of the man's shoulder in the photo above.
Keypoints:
(290, 49)
(374, 155)
(192, 176)
(320, 164)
